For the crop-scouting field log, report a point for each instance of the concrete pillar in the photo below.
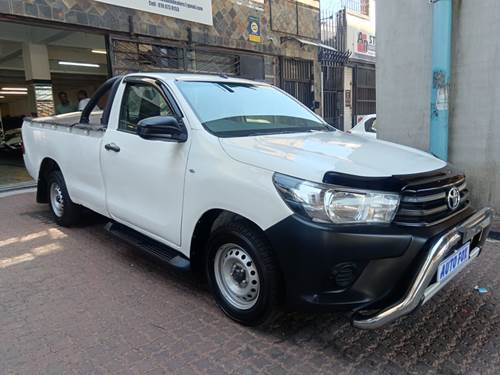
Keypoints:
(348, 94)
(37, 72)
(441, 72)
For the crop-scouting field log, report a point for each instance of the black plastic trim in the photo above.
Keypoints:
(109, 104)
(149, 246)
(395, 183)
(112, 84)
(384, 254)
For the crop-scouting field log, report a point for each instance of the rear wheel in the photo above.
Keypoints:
(243, 274)
(64, 211)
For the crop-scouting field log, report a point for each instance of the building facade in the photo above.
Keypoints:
(349, 85)
(51, 47)
(404, 84)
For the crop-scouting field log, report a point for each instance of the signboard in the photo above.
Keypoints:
(254, 4)
(360, 36)
(190, 10)
(347, 98)
(253, 29)
(366, 44)
(43, 93)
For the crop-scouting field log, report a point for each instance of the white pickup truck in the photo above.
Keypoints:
(241, 181)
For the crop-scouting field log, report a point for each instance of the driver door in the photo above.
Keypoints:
(144, 179)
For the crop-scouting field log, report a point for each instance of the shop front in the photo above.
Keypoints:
(43, 70)
(54, 56)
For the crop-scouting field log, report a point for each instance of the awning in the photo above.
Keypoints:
(328, 56)
(308, 42)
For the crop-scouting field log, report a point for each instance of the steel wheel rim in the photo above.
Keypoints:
(56, 199)
(236, 276)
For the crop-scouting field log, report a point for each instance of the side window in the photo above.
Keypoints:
(140, 101)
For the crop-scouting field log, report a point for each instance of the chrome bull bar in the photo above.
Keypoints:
(420, 291)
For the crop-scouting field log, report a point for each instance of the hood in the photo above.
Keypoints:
(310, 155)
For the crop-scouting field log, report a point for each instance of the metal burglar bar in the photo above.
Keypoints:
(132, 56)
(364, 99)
(297, 79)
(208, 61)
(333, 95)
(333, 31)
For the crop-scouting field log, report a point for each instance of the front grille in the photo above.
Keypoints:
(424, 202)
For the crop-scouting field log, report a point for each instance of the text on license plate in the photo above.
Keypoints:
(454, 261)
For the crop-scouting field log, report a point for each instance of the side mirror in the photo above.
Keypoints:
(161, 128)
(316, 104)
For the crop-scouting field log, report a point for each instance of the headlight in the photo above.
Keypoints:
(336, 204)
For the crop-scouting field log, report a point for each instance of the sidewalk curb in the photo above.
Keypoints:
(17, 192)
(20, 186)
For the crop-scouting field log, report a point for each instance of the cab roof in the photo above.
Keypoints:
(171, 77)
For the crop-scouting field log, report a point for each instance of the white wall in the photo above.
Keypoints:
(475, 97)
(404, 85)
(359, 23)
(404, 71)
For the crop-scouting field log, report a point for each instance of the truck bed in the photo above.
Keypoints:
(74, 147)
(70, 120)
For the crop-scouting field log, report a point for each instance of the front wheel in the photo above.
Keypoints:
(242, 273)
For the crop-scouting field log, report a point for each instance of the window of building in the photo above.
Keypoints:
(359, 6)
(132, 56)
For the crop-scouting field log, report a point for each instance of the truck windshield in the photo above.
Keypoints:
(233, 109)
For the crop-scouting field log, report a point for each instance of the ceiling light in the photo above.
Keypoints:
(79, 64)
(14, 92)
(14, 88)
(99, 51)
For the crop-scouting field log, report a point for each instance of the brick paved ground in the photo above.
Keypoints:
(77, 300)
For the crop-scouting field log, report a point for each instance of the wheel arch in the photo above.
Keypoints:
(209, 221)
(47, 166)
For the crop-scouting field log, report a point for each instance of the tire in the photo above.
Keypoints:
(243, 274)
(64, 211)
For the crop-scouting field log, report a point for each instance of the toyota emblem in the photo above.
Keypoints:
(453, 198)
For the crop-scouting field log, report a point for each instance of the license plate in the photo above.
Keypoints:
(454, 261)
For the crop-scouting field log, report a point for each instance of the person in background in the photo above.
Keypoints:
(64, 105)
(83, 100)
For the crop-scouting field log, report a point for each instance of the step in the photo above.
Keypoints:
(148, 245)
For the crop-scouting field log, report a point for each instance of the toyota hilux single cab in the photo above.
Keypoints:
(280, 210)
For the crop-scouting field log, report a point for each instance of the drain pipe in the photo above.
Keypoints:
(441, 71)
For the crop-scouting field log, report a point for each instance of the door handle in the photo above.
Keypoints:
(112, 147)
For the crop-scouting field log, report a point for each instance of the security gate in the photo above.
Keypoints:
(333, 56)
(297, 79)
(333, 95)
(364, 99)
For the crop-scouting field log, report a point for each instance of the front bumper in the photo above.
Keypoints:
(392, 266)
(421, 289)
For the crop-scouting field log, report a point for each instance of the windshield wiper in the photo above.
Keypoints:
(224, 86)
(282, 131)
